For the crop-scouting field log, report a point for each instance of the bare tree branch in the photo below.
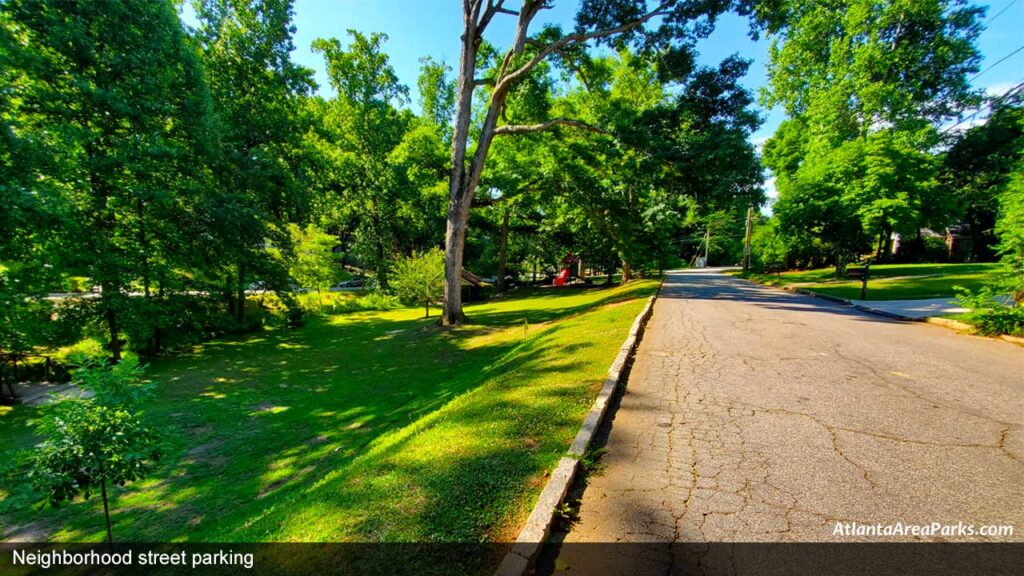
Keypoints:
(529, 128)
(569, 61)
(506, 79)
(482, 81)
(489, 12)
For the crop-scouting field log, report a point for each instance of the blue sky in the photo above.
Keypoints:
(418, 28)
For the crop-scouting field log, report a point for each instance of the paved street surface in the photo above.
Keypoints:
(754, 414)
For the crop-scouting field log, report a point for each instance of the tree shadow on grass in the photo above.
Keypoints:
(252, 425)
(461, 473)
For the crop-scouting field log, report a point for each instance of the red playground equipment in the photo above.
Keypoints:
(563, 276)
(566, 273)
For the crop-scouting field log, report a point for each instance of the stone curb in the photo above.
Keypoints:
(523, 554)
(1014, 339)
(951, 324)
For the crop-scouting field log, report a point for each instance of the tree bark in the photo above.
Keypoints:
(106, 507)
(241, 294)
(157, 331)
(503, 250)
(229, 295)
(627, 272)
(112, 324)
(455, 229)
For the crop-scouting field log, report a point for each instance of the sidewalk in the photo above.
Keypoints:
(914, 308)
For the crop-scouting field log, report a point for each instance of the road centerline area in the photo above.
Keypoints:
(788, 415)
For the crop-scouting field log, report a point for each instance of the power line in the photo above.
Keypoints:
(1000, 13)
(994, 64)
(991, 105)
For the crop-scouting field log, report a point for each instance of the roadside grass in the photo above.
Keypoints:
(368, 426)
(890, 281)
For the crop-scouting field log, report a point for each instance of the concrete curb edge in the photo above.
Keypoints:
(524, 552)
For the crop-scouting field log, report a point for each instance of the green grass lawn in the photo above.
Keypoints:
(370, 426)
(890, 281)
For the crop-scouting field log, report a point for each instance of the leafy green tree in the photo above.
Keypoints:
(437, 96)
(815, 201)
(419, 278)
(662, 27)
(257, 94)
(314, 263)
(848, 67)
(674, 162)
(93, 442)
(368, 92)
(990, 313)
(864, 82)
(978, 166)
(1010, 229)
(113, 116)
(768, 246)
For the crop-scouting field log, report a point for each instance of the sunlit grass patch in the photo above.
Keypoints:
(366, 426)
(891, 281)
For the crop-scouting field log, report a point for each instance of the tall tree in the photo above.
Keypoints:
(120, 104)
(257, 91)
(865, 82)
(652, 27)
(368, 93)
(978, 166)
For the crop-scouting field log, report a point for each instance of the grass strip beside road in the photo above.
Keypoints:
(889, 281)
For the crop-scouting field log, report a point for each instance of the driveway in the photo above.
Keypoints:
(757, 415)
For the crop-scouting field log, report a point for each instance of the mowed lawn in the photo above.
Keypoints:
(375, 426)
(891, 281)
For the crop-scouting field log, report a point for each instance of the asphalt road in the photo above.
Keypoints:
(754, 414)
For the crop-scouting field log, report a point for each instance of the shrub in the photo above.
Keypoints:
(990, 315)
(419, 279)
(88, 348)
(327, 303)
(313, 262)
(378, 300)
(90, 443)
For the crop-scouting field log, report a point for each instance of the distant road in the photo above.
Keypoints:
(754, 414)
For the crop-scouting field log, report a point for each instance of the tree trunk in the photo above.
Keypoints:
(627, 272)
(229, 295)
(378, 232)
(503, 250)
(426, 306)
(455, 230)
(112, 326)
(454, 245)
(241, 294)
(106, 507)
(157, 331)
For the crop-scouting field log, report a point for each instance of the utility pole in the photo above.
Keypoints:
(746, 241)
